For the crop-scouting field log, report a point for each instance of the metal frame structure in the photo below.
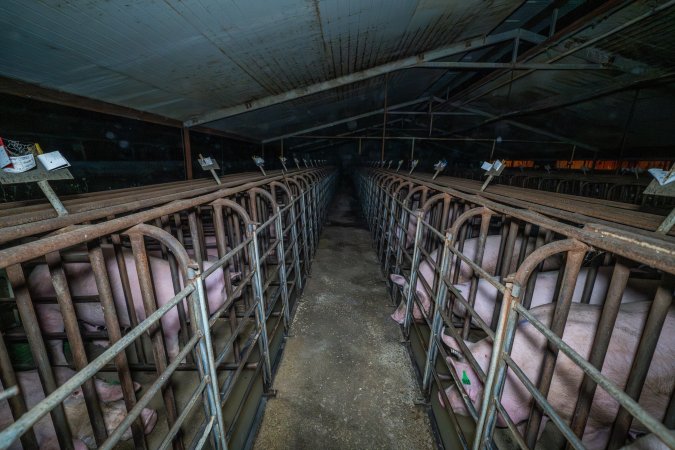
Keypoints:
(420, 226)
(265, 228)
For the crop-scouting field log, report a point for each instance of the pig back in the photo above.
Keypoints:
(579, 334)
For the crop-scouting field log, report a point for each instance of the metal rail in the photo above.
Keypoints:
(265, 229)
(447, 255)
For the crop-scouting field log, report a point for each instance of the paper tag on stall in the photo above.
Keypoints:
(486, 166)
(53, 160)
(20, 164)
(663, 177)
(4, 157)
(440, 165)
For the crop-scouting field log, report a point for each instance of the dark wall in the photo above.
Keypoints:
(110, 152)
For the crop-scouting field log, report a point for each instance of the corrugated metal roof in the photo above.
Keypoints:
(185, 58)
(182, 58)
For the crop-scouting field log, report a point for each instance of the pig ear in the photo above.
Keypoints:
(397, 279)
(467, 379)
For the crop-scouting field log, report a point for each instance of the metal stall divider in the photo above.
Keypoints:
(302, 210)
(549, 238)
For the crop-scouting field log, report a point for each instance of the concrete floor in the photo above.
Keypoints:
(345, 381)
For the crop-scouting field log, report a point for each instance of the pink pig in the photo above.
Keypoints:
(82, 283)
(544, 288)
(579, 334)
(426, 271)
(76, 413)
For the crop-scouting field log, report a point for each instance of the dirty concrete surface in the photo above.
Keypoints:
(345, 381)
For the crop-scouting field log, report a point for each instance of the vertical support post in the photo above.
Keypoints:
(626, 127)
(260, 313)
(282, 148)
(384, 116)
(391, 234)
(403, 225)
(303, 230)
(412, 150)
(387, 224)
(187, 153)
(437, 323)
(417, 256)
(208, 364)
(52, 197)
(431, 118)
(281, 261)
(294, 237)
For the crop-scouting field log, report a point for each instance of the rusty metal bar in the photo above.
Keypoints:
(37, 345)
(69, 315)
(98, 266)
(643, 357)
(156, 336)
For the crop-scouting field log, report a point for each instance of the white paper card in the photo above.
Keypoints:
(53, 160)
(661, 176)
(497, 165)
(486, 166)
(20, 164)
(4, 157)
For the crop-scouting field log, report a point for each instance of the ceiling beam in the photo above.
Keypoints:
(18, 88)
(345, 120)
(459, 65)
(31, 91)
(411, 61)
(603, 89)
(534, 130)
(590, 19)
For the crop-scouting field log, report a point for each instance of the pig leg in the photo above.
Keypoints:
(170, 330)
(51, 321)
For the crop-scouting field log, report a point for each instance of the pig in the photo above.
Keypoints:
(470, 249)
(76, 414)
(544, 289)
(82, 283)
(648, 442)
(427, 272)
(579, 334)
